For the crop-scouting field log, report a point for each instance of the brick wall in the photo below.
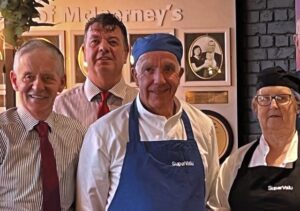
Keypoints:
(265, 31)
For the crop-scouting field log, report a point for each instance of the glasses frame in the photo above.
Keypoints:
(271, 97)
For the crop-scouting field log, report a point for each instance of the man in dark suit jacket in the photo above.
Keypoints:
(212, 61)
(211, 54)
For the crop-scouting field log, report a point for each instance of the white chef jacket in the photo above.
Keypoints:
(104, 148)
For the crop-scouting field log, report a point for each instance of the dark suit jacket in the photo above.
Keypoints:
(197, 62)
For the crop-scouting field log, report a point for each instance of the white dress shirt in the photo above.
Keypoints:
(82, 102)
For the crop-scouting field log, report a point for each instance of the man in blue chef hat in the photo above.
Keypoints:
(156, 153)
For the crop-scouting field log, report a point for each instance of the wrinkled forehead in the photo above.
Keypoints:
(101, 27)
(155, 57)
(98, 28)
(273, 90)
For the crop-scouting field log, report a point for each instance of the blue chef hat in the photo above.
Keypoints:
(276, 76)
(157, 42)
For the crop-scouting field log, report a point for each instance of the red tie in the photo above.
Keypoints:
(103, 107)
(51, 199)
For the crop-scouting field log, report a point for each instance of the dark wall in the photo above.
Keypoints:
(265, 31)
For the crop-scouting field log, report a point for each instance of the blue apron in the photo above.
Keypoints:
(160, 175)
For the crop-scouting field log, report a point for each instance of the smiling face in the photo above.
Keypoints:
(276, 117)
(197, 51)
(105, 53)
(157, 75)
(38, 81)
(211, 46)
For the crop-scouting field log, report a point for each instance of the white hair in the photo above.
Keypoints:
(38, 44)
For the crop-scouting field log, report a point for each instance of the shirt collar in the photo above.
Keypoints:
(91, 90)
(292, 153)
(147, 114)
(29, 121)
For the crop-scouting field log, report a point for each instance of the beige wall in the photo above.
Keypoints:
(176, 16)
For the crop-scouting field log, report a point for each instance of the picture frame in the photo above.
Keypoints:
(56, 37)
(133, 34)
(206, 57)
(224, 134)
(2, 77)
(2, 62)
(78, 69)
(2, 86)
(2, 100)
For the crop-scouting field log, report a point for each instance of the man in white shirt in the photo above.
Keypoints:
(157, 153)
(105, 51)
(39, 149)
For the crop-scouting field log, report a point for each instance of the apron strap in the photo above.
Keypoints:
(134, 133)
(187, 126)
(248, 156)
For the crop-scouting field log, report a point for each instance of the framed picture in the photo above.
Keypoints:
(2, 100)
(55, 37)
(224, 134)
(133, 34)
(78, 68)
(207, 57)
(2, 61)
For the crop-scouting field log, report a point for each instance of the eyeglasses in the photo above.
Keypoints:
(265, 100)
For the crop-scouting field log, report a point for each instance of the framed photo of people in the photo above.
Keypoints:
(133, 34)
(78, 66)
(207, 57)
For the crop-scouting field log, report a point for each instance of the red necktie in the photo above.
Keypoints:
(103, 107)
(51, 199)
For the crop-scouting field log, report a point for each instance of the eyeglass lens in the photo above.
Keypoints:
(265, 100)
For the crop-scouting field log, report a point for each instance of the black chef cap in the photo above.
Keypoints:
(276, 76)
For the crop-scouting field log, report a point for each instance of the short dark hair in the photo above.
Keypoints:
(109, 22)
(194, 48)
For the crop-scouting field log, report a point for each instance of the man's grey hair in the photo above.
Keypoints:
(32, 44)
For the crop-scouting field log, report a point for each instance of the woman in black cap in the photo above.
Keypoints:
(264, 174)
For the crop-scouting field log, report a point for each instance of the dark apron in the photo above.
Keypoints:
(160, 175)
(265, 187)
